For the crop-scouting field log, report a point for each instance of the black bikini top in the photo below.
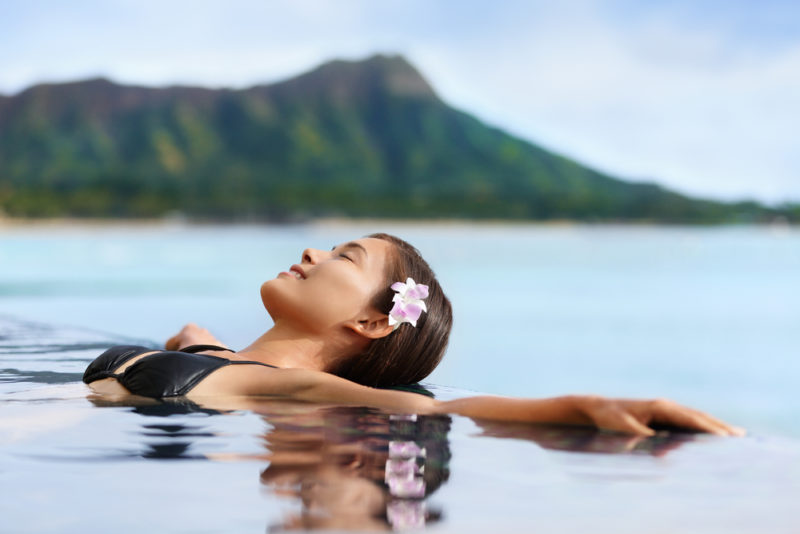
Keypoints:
(167, 373)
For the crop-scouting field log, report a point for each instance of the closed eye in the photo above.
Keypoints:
(350, 247)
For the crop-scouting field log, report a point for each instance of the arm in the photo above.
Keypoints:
(624, 415)
(191, 334)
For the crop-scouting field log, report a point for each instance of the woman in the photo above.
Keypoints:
(344, 324)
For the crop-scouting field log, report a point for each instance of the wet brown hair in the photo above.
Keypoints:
(408, 354)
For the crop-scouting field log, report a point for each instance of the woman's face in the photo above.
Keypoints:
(328, 288)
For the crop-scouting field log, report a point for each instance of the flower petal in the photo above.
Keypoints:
(419, 291)
(412, 311)
(399, 287)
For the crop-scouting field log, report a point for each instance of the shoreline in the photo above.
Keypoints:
(7, 223)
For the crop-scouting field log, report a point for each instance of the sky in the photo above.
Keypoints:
(701, 96)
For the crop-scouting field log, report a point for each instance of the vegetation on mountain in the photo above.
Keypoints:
(360, 139)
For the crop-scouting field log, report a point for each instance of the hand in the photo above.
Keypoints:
(633, 416)
(191, 334)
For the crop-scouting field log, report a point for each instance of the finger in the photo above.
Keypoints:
(636, 426)
(625, 422)
(731, 429)
(675, 414)
(728, 430)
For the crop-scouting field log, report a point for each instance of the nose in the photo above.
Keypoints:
(312, 256)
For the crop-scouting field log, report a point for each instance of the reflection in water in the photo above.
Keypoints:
(354, 468)
(587, 439)
(174, 441)
(163, 441)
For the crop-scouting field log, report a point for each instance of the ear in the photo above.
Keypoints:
(371, 325)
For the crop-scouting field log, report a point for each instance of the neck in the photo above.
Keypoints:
(285, 347)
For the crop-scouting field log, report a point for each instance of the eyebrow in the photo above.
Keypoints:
(353, 244)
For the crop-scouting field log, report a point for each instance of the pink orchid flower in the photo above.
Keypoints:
(408, 304)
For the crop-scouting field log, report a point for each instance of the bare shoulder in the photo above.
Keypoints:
(256, 380)
(306, 385)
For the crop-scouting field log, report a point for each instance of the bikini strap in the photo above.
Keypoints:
(252, 362)
(197, 348)
(191, 349)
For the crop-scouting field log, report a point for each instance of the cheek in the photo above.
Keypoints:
(334, 300)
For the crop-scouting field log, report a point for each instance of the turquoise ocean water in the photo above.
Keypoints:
(706, 316)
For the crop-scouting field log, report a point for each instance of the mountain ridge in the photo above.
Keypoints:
(353, 138)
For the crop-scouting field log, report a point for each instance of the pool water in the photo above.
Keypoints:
(72, 463)
(707, 316)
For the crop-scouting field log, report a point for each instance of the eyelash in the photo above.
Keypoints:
(345, 256)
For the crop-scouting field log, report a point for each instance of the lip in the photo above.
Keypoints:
(297, 269)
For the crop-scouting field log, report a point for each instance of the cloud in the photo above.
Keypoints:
(697, 96)
(652, 101)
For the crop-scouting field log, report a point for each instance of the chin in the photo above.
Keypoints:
(267, 293)
(277, 299)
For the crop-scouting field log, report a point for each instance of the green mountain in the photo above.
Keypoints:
(367, 138)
